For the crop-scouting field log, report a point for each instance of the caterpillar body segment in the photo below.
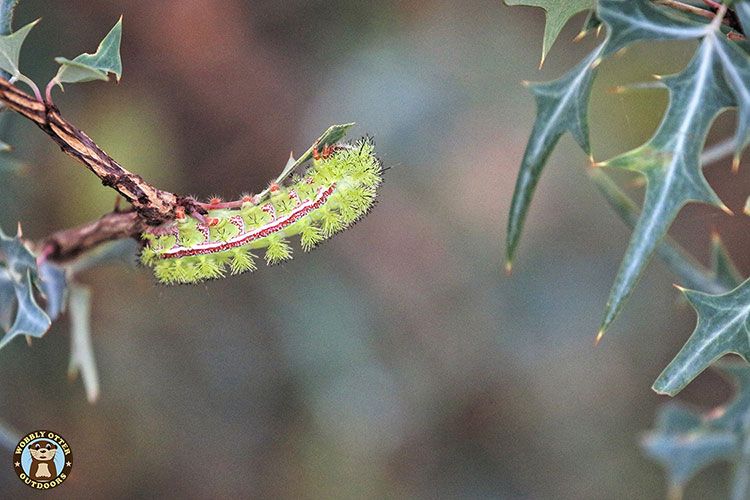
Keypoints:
(336, 190)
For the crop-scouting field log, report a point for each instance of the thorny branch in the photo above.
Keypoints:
(151, 206)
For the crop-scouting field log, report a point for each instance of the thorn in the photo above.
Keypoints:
(618, 89)
(600, 164)
(621, 52)
(508, 268)
(678, 287)
(592, 162)
(28, 340)
(19, 230)
(580, 36)
(736, 164)
(715, 237)
(598, 30)
(596, 63)
(525, 83)
(599, 336)
(657, 77)
(726, 209)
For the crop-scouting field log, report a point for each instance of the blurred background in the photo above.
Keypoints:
(397, 360)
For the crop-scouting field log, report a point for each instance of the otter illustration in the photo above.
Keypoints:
(43, 461)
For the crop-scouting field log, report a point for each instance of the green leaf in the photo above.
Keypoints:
(31, 320)
(53, 284)
(10, 51)
(19, 312)
(683, 448)
(685, 441)
(331, 136)
(558, 12)
(722, 328)
(562, 105)
(690, 271)
(81, 351)
(96, 66)
(736, 65)
(670, 163)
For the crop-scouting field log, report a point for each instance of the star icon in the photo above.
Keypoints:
(68, 464)
(17, 464)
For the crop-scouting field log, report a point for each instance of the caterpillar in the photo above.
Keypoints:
(337, 189)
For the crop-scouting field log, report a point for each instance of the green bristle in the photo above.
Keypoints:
(164, 271)
(186, 270)
(278, 250)
(147, 256)
(164, 242)
(223, 231)
(253, 216)
(310, 236)
(241, 260)
(330, 222)
(347, 211)
(207, 267)
(189, 235)
(223, 258)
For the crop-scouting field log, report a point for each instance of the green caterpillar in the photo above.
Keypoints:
(336, 190)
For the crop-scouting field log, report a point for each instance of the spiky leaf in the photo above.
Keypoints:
(10, 51)
(558, 12)
(96, 66)
(562, 104)
(685, 441)
(670, 163)
(723, 327)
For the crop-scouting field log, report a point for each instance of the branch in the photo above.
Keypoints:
(66, 245)
(153, 205)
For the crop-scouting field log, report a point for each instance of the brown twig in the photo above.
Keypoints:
(66, 245)
(151, 206)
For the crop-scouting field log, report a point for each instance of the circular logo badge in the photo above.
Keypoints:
(43, 459)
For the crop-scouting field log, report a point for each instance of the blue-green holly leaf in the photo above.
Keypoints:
(16, 257)
(685, 441)
(31, 320)
(20, 314)
(557, 12)
(10, 51)
(54, 287)
(670, 163)
(736, 65)
(96, 66)
(683, 448)
(81, 351)
(562, 105)
(723, 327)
(692, 273)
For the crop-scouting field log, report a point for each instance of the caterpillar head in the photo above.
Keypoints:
(337, 188)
